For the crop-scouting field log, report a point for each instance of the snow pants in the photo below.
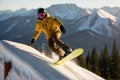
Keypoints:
(56, 45)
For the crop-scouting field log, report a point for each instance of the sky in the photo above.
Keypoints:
(33, 4)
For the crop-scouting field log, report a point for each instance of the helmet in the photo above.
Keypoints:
(41, 10)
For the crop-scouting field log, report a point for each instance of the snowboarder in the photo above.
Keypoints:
(52, 28)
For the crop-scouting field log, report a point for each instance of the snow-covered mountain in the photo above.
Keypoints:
(67, 11)
(63, 11)
(29, 64)
(102, 23)
(118, 13)
(4, 15)
(112, 10)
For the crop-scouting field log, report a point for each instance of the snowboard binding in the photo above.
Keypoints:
(67, 52)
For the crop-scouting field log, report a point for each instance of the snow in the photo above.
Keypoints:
(104, 14)
(29, 64)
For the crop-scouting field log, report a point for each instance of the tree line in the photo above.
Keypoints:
(105, 64)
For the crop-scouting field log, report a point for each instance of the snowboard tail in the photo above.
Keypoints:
(74, 54)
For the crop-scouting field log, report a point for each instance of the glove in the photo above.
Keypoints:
(62, 29)
(32, 41)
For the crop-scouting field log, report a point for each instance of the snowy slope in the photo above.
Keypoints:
(29, 64)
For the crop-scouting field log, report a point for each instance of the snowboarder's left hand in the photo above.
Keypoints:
(32, 41)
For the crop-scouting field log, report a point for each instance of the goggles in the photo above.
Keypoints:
(41, 15)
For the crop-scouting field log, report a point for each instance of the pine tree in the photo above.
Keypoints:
(105, 63)
(88, 65)
(115, 63)
(81, 61)
(95, 62)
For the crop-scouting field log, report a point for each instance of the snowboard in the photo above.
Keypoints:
(74, 54)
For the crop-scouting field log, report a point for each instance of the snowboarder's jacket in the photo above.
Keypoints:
(49, 26)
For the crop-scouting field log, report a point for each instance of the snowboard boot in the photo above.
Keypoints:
(67, 52)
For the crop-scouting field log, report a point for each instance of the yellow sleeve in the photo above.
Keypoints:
(37, 31)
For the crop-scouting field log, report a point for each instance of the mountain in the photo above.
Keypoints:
(112, 10)
(4, 15)
(63, 11)
(67, 11)
(102, 23)
(118, 13)
(16, 27)
(29, 64)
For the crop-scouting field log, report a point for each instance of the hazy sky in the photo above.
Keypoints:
(30, 4)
